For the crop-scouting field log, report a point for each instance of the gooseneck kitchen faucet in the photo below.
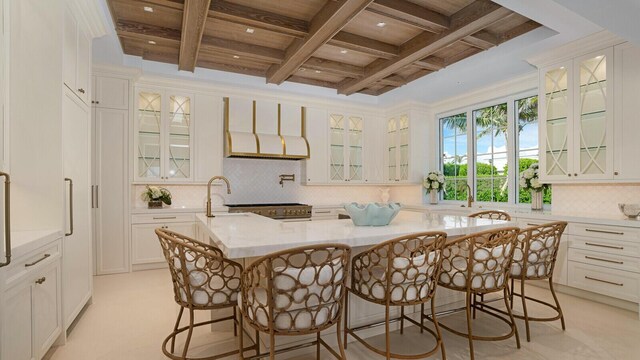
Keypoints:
(217, 177)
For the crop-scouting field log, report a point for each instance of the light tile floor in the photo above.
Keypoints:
(132, 313)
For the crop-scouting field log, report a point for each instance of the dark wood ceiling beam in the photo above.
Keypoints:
(194, 18)
(257, 52)
(244, 15)
(462, 55)
(432, 63)
(231, 68)
(333, 67)
(146, 32)
(482, 40)
(411, 14)
(324, 25)
(394, 80)
(364, 45)
(465, 22)
(518, 30)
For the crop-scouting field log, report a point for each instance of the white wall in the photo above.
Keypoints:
(256, 181)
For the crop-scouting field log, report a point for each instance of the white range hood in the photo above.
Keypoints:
(264, 129)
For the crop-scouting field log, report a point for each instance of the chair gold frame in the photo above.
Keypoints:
(203, 279)
(479, 264)
(293, 292)
(536, 256)
(399, 272)
(492, 214)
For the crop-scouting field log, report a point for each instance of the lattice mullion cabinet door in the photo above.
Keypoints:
(556, 135)
(391, 155)
(355, 149)
(593, 116)
(403, 148)
(149, 135)
(178, 148)
(337, 147)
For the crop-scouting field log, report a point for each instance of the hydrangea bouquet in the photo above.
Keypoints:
(529, 179)
(434, 181)
(156, 194)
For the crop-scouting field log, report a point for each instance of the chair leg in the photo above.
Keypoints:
(555, 298)
(175, 328)
(241, 340)
(401, 320)
(435, 324)
(341, 346)
(386, 331)
(422, 317)
(272, 346)
(470, 332)
(257, 342)
(235, 325)
(186, 344)
(524, 309)
(318, 345)
(346, 317)
(514, 327)
(474, 302)
(511, 293)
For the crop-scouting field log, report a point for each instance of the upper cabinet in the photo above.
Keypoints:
(346, 139)
(315, 168)
(397, 149)
(163, 136)
(576, 113)
(110, 92)
(626, 124)
(76, 57)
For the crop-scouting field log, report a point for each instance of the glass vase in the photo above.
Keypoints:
(536, 200)
(433, 197)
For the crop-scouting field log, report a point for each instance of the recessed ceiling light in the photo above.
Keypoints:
(236, 57)
(343, 51)
(318, 71)
(152, 42)
(250, 30)
(148, 9)
(381, 24)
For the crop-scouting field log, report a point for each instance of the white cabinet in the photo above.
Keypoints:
(627, 127)
(208, 147)
(110, 92)
(109, 190)
(163, 136)
(77, 252)
(315, 169)
(346, 139)
(76, 57)
(397, 149)
(576, 113)
(145, 246)
(374, 139)
(31, 305)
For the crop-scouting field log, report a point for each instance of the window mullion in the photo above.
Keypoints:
(512, 151)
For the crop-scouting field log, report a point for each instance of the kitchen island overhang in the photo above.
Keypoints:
(249, 235)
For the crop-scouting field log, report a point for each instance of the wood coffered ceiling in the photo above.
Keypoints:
(331, 43)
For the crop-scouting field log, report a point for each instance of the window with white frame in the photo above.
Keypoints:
(480, 144)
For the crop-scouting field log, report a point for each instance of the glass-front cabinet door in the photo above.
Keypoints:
(593, 116)
(346, 139)
(556, 107)
(398, 149)
(164, 133)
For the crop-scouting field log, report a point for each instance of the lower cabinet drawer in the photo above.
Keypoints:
(162, 218)
(619, 284)
(22, 266)
(606, 260)
(608, 246)
(145, 246)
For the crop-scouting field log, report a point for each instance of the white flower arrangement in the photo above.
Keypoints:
(529, 179)
(154, 193)
(434, 181)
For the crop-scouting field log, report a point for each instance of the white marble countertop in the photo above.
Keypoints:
(249, 235)
(23, 242)
(178, 209)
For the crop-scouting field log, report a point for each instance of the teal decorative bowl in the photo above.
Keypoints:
(373, 214)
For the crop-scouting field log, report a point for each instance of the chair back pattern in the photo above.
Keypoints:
(492, 214)
(202, 277)
(401, 271)
(479, 262)
(296, 291)
(537, 251)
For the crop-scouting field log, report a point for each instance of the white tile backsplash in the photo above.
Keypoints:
(256, 181)
(593, 198)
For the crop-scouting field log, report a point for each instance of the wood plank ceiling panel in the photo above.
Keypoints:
(298, 9)
(340, 54)
(238, 32)
(394, 32)
(324, 25)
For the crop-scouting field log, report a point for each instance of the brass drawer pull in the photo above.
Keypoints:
(41, 280)
(604, 281)
(7, 220)
(163, 217)
(323, 212)
(37, 261)
(605, 260)
(605, 231)
(605, 246)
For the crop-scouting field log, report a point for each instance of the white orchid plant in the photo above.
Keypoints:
(154, 193)
(530, 180)
(434, 181)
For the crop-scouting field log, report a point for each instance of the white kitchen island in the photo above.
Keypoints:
(247, 235)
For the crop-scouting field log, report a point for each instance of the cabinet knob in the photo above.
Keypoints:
(615, 173)
(41, 280)
(81, 91)
(574, 174)
(568, 174)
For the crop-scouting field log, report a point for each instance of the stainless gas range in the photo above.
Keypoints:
(286, 211)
